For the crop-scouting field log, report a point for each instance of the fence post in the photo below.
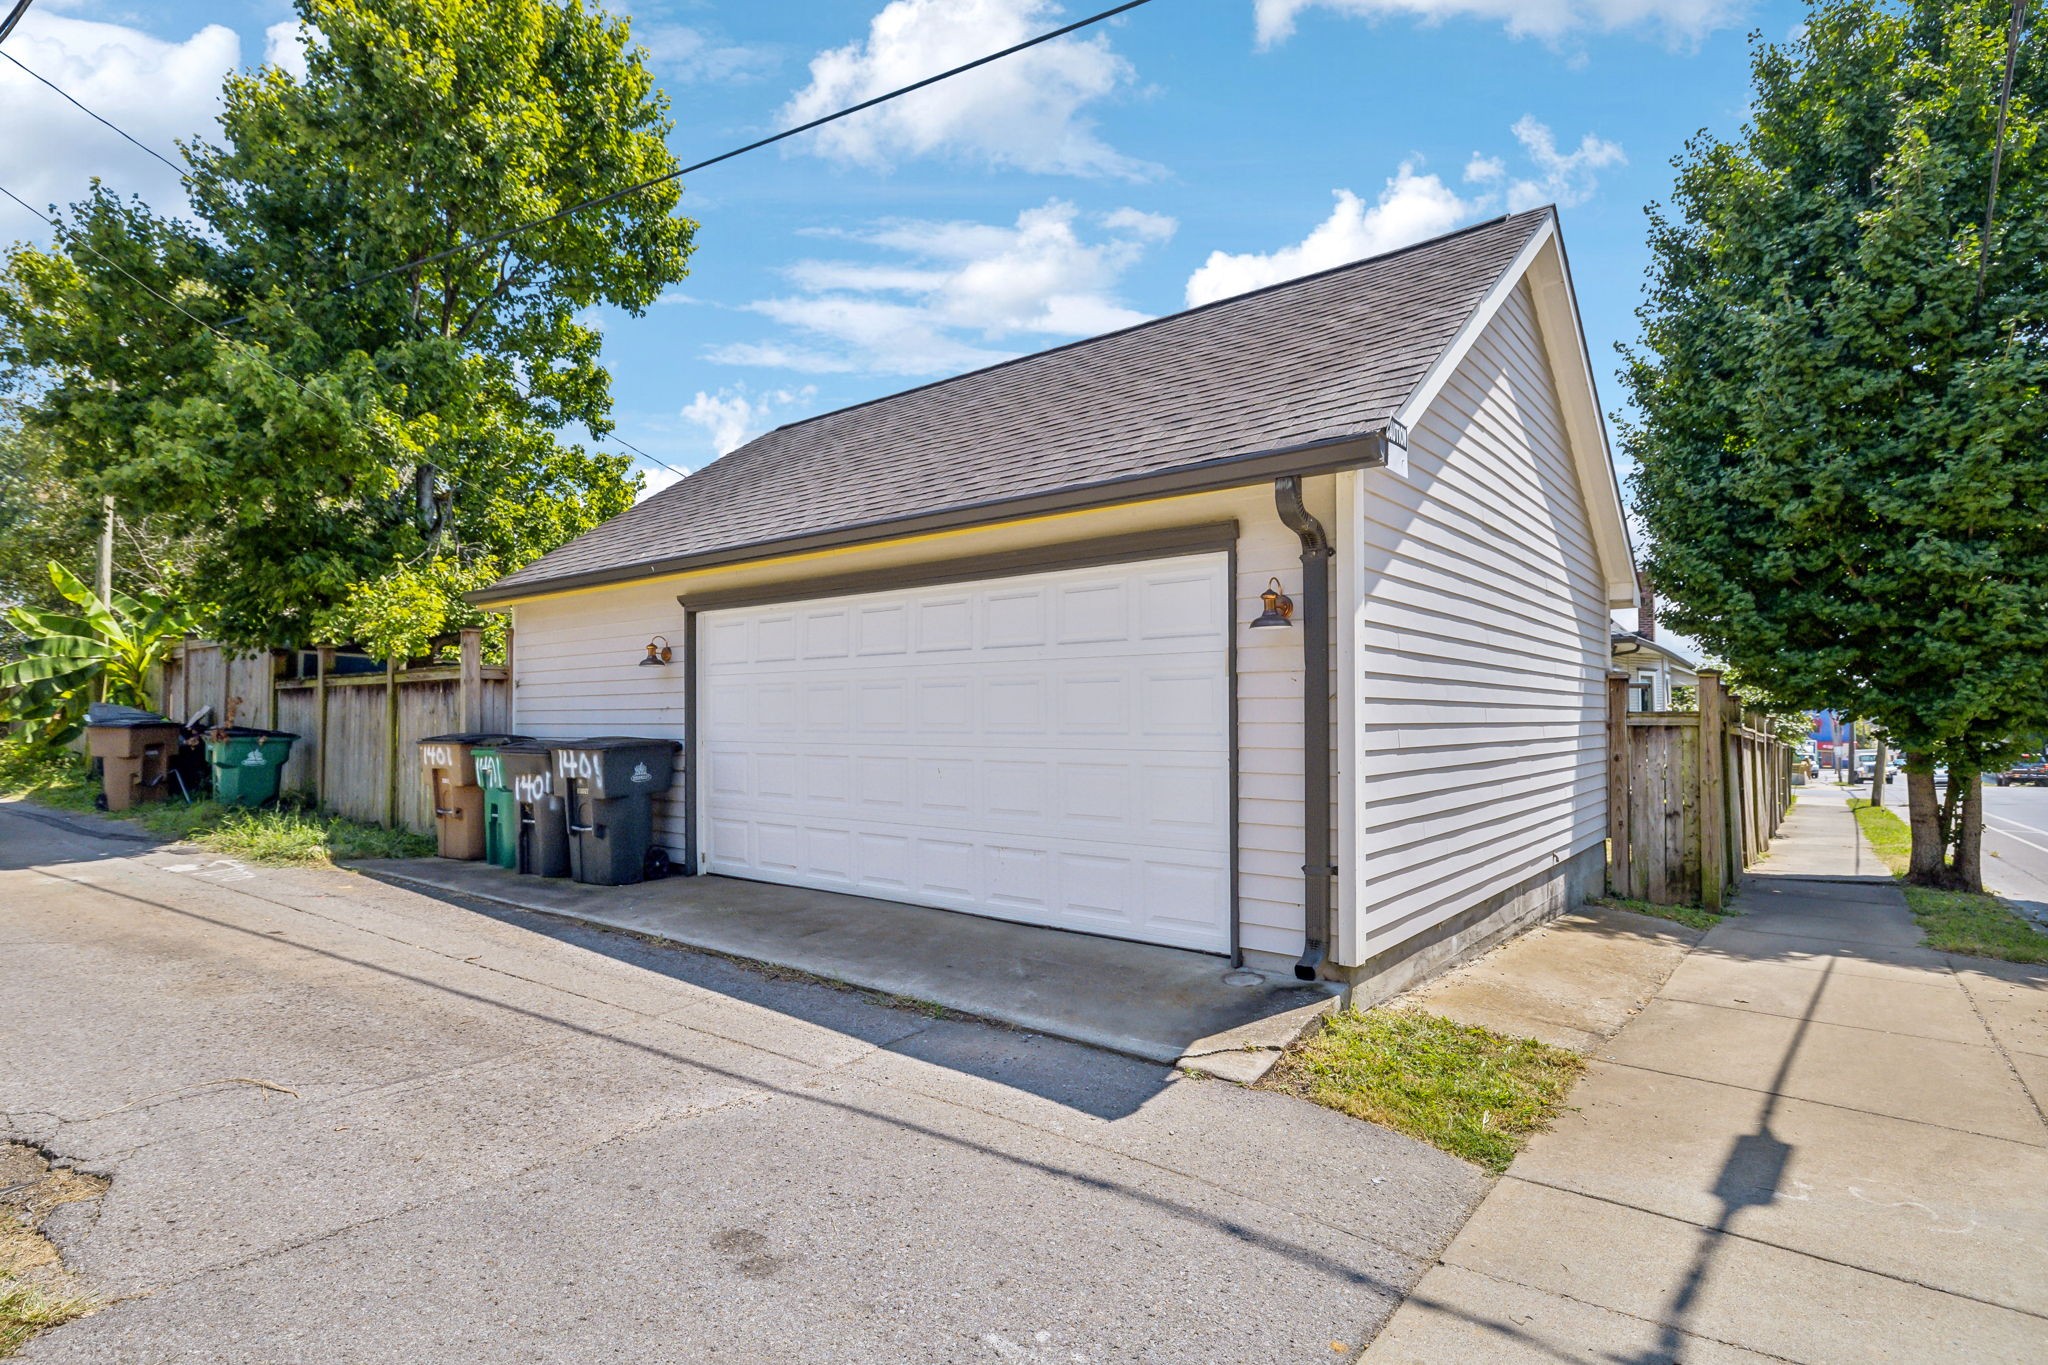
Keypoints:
(1617, 784)
(321, 670)
(1713, 796)
(391, 743)
(469, 694)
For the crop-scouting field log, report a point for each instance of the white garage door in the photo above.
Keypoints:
(1052, 748)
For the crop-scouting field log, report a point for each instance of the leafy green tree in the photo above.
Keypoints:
(316, 419)
(106, 650)
(1841, 434)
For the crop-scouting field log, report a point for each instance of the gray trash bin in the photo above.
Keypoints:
(541, 820)
(608, 784)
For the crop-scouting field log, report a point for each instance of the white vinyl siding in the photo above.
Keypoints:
(1482, 647)
(575, 658)
(576, 671)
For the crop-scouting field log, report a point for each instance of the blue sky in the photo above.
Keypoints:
(1188, 150)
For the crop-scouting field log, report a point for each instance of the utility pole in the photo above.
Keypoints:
(105, 581)
(105, 577)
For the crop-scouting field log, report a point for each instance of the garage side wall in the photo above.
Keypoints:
(1481, 653)
(578, 672)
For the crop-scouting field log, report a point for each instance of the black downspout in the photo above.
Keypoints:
(1317, 870)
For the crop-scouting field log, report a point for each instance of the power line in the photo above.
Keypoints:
(93, 114)
(596, 201)
(13, 18)
(679, 473)
(2012, 57)
(253, 349)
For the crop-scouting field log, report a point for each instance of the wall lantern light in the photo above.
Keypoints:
(658, 652)
(1279, 608)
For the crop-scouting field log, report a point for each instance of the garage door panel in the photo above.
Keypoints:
(882, 631)
(1052, 748)
(1181, 606)
(1094, 613)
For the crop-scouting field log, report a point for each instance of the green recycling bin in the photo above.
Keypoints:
(246, 763)
(501, 806)
(541, 840)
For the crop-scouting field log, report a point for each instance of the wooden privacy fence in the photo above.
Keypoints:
(355, 753)
(1693, 797)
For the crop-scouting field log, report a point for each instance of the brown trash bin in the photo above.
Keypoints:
(458, 807)
(135, 759)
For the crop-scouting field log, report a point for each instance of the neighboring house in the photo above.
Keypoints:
(991, 644)
(1654, 670)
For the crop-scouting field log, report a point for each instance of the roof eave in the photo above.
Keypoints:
(1359, 450)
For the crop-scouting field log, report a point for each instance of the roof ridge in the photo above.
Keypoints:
(1290, 282)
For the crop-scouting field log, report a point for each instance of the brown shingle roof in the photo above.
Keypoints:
(1315, 361)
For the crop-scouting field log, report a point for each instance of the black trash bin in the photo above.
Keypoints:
(541, 828)
(608, 784)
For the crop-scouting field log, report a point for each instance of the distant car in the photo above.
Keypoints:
(2023, 775)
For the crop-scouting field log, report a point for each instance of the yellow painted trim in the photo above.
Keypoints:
(870, 547)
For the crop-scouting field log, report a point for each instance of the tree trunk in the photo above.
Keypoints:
(1968, 872)
(1877, 775)
(1923, 808)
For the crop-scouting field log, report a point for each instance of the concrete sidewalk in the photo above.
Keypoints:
(1818, 1142)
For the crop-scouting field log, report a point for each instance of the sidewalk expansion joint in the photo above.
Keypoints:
(1825, 1104)
(2003, 1055)
(1596, 1306)
(1735, 1236)
(1828, 1023)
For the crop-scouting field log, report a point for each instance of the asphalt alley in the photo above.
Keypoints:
(349, 1121)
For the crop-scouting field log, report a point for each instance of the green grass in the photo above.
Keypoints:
(1691, 916)
(274, 836)
(1470, 1091)
(1971, 923)
(1975, 925)
(26, 1310)
(1890, 836)
(61, 779)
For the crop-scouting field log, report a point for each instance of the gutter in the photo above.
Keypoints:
(1357, 451)
(1317, 871)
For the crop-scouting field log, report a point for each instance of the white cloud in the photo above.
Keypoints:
(654, 478)
(733, 416)
(284, 47)
(1563, 178)
(1484, 170)
(157, 91)
(1024, 112)
(948, 293)
(689, 54)
(1413, 206)
(1678, 20)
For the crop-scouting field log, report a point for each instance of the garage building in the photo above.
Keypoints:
(1031, 642)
